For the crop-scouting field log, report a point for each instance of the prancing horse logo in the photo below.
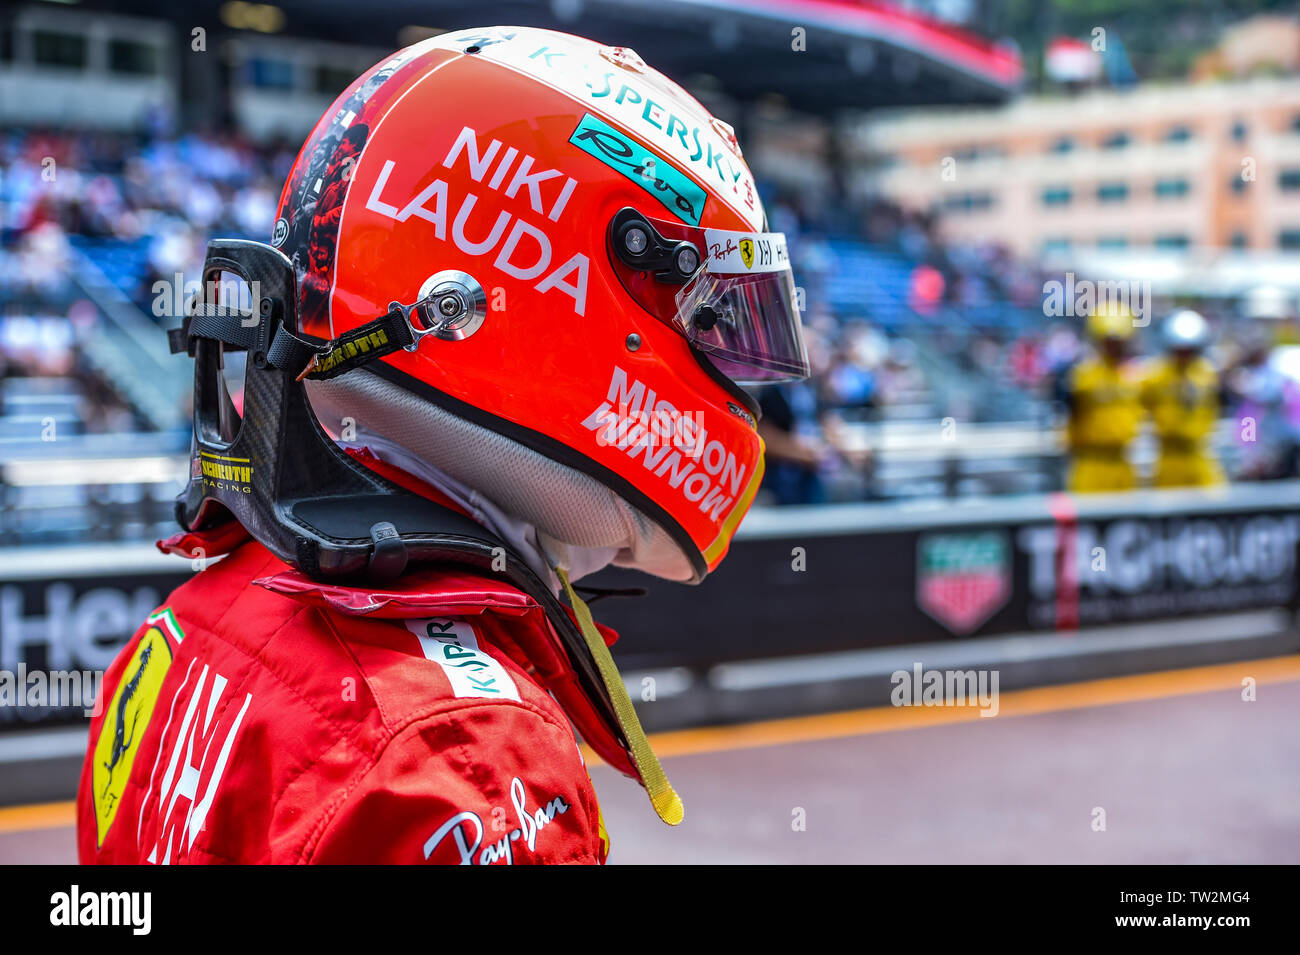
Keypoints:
(747, 252)
(126, 718)
(121, 743)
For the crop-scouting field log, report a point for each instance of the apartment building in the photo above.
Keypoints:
(1194, 166)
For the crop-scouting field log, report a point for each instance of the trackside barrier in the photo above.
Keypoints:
(799, 581)
(804, 580)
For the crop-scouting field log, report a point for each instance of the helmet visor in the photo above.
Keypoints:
(731, 294)
(741, 308)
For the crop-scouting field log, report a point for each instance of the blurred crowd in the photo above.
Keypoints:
(154, 201)
(167, 195)
(955, 329)
(971, 323)
(1246, 372)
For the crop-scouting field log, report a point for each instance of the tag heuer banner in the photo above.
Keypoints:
(961, 579)
(798, 581)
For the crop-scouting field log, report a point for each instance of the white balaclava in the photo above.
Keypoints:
(553, 514)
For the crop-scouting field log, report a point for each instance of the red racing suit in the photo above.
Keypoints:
(261, 717)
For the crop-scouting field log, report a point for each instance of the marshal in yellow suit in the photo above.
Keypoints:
(1105, 412)
(1183, 400)
(1102, 393)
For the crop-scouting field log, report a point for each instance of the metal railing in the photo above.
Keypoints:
(130, 349)
(121, 487)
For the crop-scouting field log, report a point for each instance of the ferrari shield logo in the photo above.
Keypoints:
(127, 715)
(747, 252)
(963, 579)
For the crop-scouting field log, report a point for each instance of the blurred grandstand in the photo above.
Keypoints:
(93, 250)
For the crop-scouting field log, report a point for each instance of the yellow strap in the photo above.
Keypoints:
(600, 826)
(667, 804)
(715, 550)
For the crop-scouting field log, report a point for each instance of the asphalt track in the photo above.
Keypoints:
(1185, 770)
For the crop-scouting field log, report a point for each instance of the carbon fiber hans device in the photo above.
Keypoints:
(275, 470)
(278, 473)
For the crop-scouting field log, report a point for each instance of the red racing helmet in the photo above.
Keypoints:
(581, 256)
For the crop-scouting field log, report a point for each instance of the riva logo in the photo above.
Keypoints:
(668, 442)
(131, 909)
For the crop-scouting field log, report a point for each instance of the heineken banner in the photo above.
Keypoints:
(798, 581)
(64, 614)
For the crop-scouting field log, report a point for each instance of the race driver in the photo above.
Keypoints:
(494, 347)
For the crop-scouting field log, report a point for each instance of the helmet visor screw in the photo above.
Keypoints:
(635, 240)
(687, 260)
(705, 318)
(633, 342)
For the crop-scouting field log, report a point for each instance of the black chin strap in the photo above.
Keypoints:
(300, 356)
(593, 594)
